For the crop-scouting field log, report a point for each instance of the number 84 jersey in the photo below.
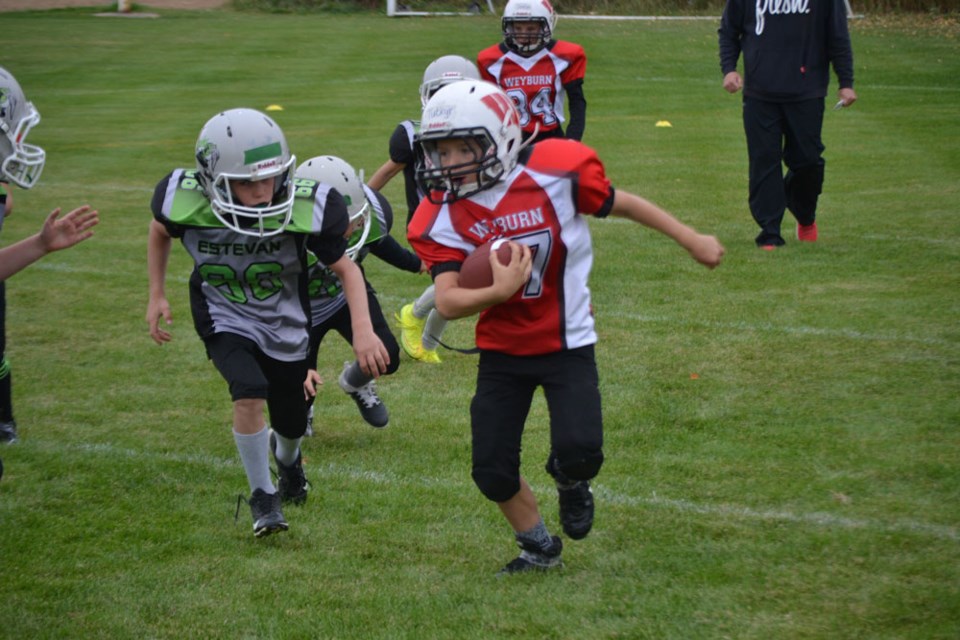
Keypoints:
(539, 204)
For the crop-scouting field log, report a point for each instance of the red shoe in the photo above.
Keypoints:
(807, 233)
(768, 247)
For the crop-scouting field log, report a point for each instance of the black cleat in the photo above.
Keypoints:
(533, 558)
(292, 485)
(8, 432)
(267, 517)
(371, 406)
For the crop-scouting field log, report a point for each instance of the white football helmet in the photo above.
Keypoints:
(443, 71)
(470, 109)
(246, 145)
(340, 175)
(20, 163)
(539, 11)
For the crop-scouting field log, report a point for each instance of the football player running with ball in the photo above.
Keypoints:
(537, 71)
(247, 226)
(536, 325)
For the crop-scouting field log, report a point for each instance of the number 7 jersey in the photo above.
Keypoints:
(539, 204)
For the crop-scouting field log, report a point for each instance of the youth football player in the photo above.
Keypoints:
(536, 326)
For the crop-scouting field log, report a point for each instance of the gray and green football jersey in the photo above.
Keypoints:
(249, 286)
(326, 290)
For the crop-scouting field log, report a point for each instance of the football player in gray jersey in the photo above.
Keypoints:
(247, 224)
(371, 218)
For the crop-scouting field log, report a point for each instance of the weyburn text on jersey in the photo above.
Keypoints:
(509, 222)
(535, 80)
(237, 248)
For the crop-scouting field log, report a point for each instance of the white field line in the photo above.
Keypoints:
(734, 512)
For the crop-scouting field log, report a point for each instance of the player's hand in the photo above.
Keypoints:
(706, 250)
(371, 354)
(732, 82)
(311, 384)
(69, 230)
(507, 278)
(159, 308)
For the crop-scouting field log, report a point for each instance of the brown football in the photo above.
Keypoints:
(475, 273)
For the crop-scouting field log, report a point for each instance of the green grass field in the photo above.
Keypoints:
(783, 455)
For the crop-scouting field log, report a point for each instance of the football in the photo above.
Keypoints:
(475, 273)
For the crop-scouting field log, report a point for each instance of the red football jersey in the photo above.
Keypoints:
(539, 204)
(535, 84)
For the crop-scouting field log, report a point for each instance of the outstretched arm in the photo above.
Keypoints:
(384, 174)
(705, 249)
(56, 234)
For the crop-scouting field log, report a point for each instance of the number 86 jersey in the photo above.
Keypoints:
(539, 204)
(246, 285)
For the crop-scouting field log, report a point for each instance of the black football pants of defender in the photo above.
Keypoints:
(341, 322)
(252, 374)
(781, 133)
(6, 386)
(505, 388)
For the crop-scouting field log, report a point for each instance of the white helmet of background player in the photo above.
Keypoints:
(20, 163)
(246, 145)
(470, 109)
(443, 71)
(539, 11)
(340, 175)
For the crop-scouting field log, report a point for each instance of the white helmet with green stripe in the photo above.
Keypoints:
(246, 145)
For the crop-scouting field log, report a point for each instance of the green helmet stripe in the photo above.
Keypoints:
(262, 153)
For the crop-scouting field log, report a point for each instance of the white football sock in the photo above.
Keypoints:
(254, 451)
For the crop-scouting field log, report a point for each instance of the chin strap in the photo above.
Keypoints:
(526, 143)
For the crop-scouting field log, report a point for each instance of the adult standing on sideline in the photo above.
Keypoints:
(787, 52)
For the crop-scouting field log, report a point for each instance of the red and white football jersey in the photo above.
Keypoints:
(535, 84)
(539, 204)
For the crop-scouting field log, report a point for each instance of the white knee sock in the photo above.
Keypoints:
(254, 451)
(424, 304)
(433, 330)
(287, 449)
